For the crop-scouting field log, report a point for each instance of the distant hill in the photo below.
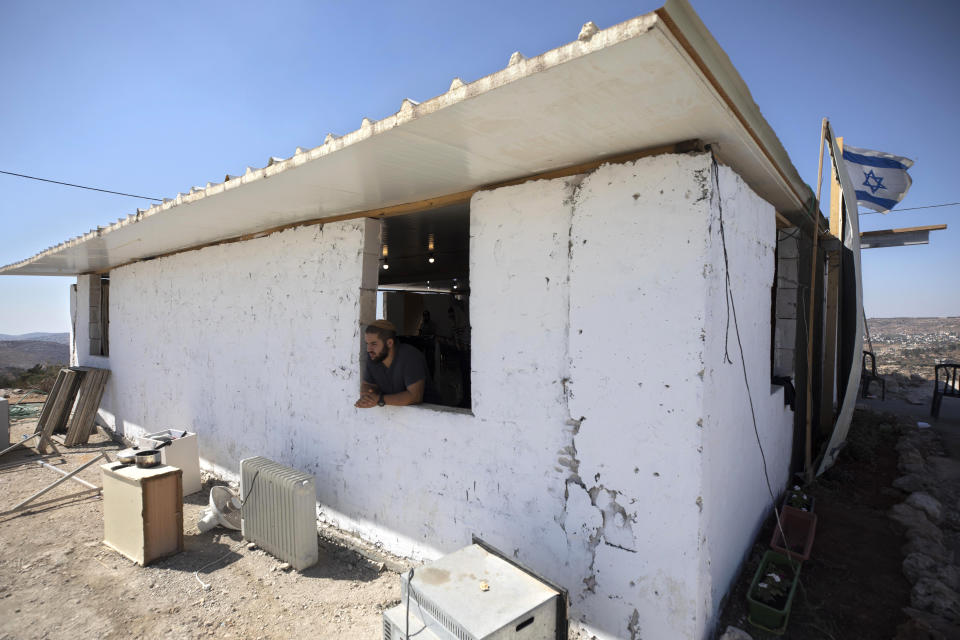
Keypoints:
(61, 338)
(23, 354)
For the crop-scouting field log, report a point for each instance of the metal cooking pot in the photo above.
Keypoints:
(127, 456)
(149, 457)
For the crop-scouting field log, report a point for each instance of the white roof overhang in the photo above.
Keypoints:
(650, 81)
(898, 237)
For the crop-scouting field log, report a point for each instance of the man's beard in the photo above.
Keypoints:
(383, 355)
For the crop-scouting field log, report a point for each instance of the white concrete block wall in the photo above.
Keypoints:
(256, 346)
(735, 497)
(788, 284)
(519, 305)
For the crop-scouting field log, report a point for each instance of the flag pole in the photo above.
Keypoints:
(808, 441)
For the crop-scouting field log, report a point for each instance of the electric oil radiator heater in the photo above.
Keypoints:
(279, 511)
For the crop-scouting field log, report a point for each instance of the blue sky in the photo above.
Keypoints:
(153, 98)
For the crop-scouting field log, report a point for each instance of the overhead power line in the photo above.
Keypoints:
(80, 186)
(931, 206)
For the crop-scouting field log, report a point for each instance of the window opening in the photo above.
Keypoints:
(99, 286)
(424, 290)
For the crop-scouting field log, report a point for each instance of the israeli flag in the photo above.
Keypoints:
(881, 179)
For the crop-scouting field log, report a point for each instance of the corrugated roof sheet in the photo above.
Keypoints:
(653, 80)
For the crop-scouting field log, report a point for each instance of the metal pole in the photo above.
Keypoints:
(11, 465)
(20, 444)
(64, 473)
(56, 484)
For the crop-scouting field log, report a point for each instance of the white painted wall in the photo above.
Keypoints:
(255, 345)
(734, 491)
(637, 316)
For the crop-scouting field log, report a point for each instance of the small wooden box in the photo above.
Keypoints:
(142, 511)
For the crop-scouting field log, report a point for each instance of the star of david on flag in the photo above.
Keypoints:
(881, 179)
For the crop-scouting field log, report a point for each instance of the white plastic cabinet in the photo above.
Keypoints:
(183, 452)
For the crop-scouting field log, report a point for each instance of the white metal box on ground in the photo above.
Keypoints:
(396, 622)
(142, 511)
(279, 511)
(183, 452)
(473, 594)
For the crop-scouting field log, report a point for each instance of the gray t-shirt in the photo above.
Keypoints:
(408, 367)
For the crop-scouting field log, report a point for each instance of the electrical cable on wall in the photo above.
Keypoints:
(731, 307)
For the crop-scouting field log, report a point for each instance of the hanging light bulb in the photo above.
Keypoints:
(430, 244)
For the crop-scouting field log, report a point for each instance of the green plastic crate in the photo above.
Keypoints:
(763, 615)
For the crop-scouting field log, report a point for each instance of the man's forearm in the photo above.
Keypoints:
(401, 399)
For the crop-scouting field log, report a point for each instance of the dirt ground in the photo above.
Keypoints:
(57, 579)
(853, 586)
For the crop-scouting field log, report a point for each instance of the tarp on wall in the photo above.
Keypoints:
(851, 324)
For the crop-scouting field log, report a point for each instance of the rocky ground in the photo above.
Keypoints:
(57, 579)
(886, 557)
(930, 517)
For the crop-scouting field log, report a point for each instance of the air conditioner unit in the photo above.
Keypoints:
(476, 593)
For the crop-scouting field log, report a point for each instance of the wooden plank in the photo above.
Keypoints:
(584, 167)
(77, 427)
(83, 395)
(51, 416)
(93, 404)
(828, 380)
(96, 395)
(48, 403)
(90, 394)
(836, 198)
(64, 402)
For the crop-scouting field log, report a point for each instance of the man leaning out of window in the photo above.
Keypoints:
(395, 373)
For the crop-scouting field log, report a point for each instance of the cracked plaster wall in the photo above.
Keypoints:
(582, 456)
(637, 332)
